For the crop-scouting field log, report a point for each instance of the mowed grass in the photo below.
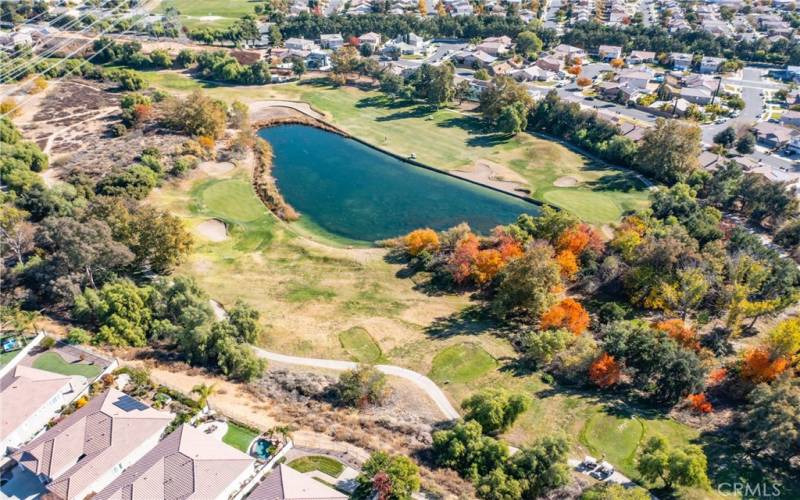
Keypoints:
(239, 437)
(360, 345)
(461, 363)
(224, 12)
(326, 465)
(615, 437)
(52, 362)
(451, 140)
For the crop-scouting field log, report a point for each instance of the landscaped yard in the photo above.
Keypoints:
(53, 362)
(5, 357)
(239, 437)
(327, 465)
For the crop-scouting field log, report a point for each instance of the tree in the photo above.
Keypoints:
(725, 137)
(541, 347)
(549, 225)
(746, 143)
(784, 338)
(16, 233)
(487, 264)
(77, 253)
(528, 44)
(669, 151)
(204, 392)
(121, 310)
(421, 240)
(466, 450)
(771, 420)
(345, 60)
(583, 81)
(391, 477)
(568, 314)
(614, 491)
(423, 8)
(299, 68)
(504, 91)
(434, 84)
(759, 365)
(495, 409)
(527, 283)
(244, 319)
(513, 119)
(699, 403)
(605, 371)
(542, 467)
(675, 467)
(617, 63)
(462, 261)
(361, 387)
(197, 115)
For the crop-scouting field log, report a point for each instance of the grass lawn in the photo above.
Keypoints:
(326, 465)
(52, 362)
(359, 344)
(5, 357)
(239, 437)
(600, 193)
(209, 13)
(616, 437)
(461, 363)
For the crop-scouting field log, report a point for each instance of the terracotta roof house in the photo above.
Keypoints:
(285, 483)
(186, 465)
(88, 449)
(29, 398)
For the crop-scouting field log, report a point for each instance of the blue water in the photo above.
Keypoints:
(353, 191)
(261, 449)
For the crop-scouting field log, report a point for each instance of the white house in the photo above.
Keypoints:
(681, 61)
(635, 78)
(300, 44)
(710, 64)
(29, 399)
(332, 41)
(371, 39)
(607, 52)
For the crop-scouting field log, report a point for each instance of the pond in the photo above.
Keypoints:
(355, 192)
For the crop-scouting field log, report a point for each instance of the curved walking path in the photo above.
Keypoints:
(421, 381)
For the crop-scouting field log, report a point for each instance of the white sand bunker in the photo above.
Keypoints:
(216, 167)
(212, 230)
(566, 181)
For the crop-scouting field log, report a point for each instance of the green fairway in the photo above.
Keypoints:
(461, 363)
(305, 292)
(614, 437)
(52, 362)
(209, 13)
(239, 437)
(326, 465)
(360, 345)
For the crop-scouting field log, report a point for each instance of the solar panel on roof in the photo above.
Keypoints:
(127, 403)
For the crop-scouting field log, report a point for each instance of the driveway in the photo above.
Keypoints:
(421, 381)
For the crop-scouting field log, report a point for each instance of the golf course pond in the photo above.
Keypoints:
(355, 192)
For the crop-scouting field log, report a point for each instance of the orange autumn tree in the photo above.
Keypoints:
(421, 240)
(568, 314)
(508, 247)
(605, 372)
(717, 376)
(759, 365)
(463, 258)
(580, 237)
(568, 263)
(700, 403)
(678, 331)
(487, 264)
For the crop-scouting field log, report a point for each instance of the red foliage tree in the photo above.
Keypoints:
(678, 331)
(699, 403)
(759, 366)
(605, 372)
(463, 258)
(568, 314)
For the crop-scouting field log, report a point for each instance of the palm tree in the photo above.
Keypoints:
(204, 392)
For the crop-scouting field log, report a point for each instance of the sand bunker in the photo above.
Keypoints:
(216, 167)
(566, 181)
(213, 230)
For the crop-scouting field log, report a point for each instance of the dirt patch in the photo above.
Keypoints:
(495, 175)
(215, 168)
(270, 109)
(566, 181)
(212, 230)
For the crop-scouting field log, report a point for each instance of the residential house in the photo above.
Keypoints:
(791, 118)
(492, 48)
(285, 483)
(608, 52)
(29, 398)
(300, 44)
(710, 64)
(641, 57)
(564, 51)
(773, 135)
(479, 59)
(409, 45)
(697, 95)
(532, 73)
(87, 450)
(319, 60)
(187, 464)
(504, 40)
(635, 78)
(371, 39)
(550, 63)
(332, 41)
(681, 61)
(609, 90)
(711, 161)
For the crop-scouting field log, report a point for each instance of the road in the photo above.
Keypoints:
(421, 381)
(753, 103)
